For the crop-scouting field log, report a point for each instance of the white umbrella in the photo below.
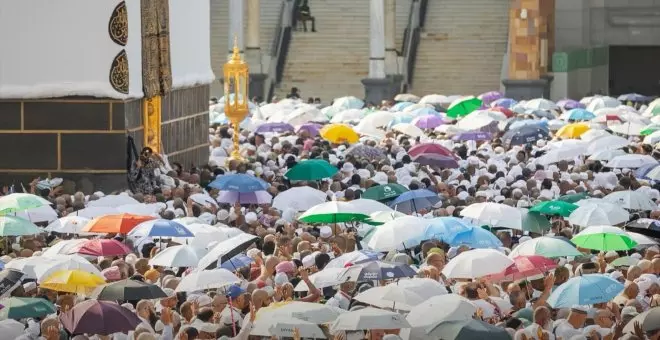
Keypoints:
(424, 287)
(434, 99)
(11, 329)
(593, 134)
(142, 208)
(207, 279)
(606, 143)
(475, 122)
(50, 265)
(390, 296)
(399, 234)
(541, 104)
(350, 257)
(204, 199)
(26, 265)
(70, 224)
(113, 201)
(305, 311)
(605, 155)
(653, 138)
(369, 318)
(559, 154)
(204, 235)
(642, 240)
(408, 129)
(368, 207)
(450, 307)
(406, 97)
(178, 256)
(349, 115)
(654, 174)
(630, 200)
(43, 213)
(327, 277)
(226, 249)
(598, 214)
(299, 198)
(63, 247)
(329, 208)
(385, 216)
(545, 246)
(476, 263)
(366, 129)
(628, 128)
(188, 220)
(283, 327)
(93, 212)
(599, 102)
(378, 118)
(489, 211)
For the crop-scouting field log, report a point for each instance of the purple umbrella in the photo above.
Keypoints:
(256, 197)
(99, 317)
(504, 102)
(311, 128)
(570, 104)
(473, 135)
(274, 127)
(490, 97)
(428, 121)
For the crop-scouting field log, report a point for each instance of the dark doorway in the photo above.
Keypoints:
(635, 69)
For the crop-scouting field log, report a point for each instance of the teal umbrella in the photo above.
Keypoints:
(384, 192)
(560, 208)
(25, 307)
(18, 202)
(572, 198)
(311, 170)
(535, 223)
(16, 226)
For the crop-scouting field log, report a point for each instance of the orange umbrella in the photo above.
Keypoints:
(116, 223)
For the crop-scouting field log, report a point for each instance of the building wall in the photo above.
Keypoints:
(579, 72)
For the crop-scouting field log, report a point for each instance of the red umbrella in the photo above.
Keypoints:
(431, 149)
(525, 266)
(102, 247)
(508, 113)
(119, 223)
(99, 317)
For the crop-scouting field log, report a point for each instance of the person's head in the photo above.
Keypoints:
(604, 318)
(144, 309)
(631, 290)
(542, 316)
(219, 303)
(517, 299)
(436, 260)
(577, 317)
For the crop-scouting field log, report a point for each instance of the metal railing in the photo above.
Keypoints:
(280, 46)
(411, 38)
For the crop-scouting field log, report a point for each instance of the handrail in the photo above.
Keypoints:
(411, 37)
(280, 46)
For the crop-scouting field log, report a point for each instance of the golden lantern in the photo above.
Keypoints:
(236, 74)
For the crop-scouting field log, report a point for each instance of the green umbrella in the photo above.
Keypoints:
(332, 212)
(604, 238)
(463, 107)
(16, 226)
(18, 202)
(649, 129)
(25, 307)
(535, 223)
(560, 208)
(384, 192)
(126, 290)
(311, 170)
(572, 198)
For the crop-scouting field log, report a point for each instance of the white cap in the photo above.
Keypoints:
(250, 217)
(325, 232)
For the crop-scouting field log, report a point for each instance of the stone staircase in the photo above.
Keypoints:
(331, 62)
(270, 16)
(462, 47)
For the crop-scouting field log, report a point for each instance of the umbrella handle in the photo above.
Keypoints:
(231, 313)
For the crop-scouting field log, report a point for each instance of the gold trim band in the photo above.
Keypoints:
(64, 131)
(185, 118)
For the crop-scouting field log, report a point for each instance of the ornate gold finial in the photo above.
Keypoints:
(236, 54)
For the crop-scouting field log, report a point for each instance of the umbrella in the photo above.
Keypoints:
(587, 289)
(128, 290)
(311, 128)
(25, 307)
(390, 296)
(399, 234)
(408, 129)
(398, 107)
(367, 206)
(256, 197)
(225, 250)
(203, 199)
(327, 277)
(239, 182)
(43, 213)
(113, 201)
(9, 280)
(476, 237)
(534, 222)
(44, 267)
(572, 130)
(604, 238)
(476, 263)
(299, 198)
(642, 240)
(468, 330)
(446, 228)
(414, 200)
(485, 212)
(99, 317)
(332, 212)
(311, 170)
(380, 217)
(525, 266)
(72, 281)
(463, 106)
(19, 201)
(598, 214)
(569, 104)
(160, 228)
(12, 329)
(540, 104)
(645, 226)
(406, 97)
(430, 149)
(489, 97)
(70, 224)
(605, 155)
(178, 256)
(376, 271)
(649, 320)
(339, 133)
(63, 247)
(120, 223)
(606, 143)
(16, 226)
(369, 318)
(384, 191)
(207, 279)
(524, 135)
(356, 256)
(348, 102)
(237, 262)
(504, 102)
(625, 261)
(103, 247)
(93, 212)
(633, 200)
(473, 135)
(283, 327)
(449, 307)
(560, 208)
(274, 127)
(428, 121)
(366, 152)
(631, 161)
(281, 318)
(580, 114)
(545, 246)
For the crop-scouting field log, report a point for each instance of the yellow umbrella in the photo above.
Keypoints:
(572, 130)
(72, 281)
(339, 133)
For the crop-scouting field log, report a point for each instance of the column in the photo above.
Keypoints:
(236, 11)
(253, 50)
(391, 67)
(377, 87)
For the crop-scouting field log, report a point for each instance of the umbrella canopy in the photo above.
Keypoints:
(16, 226)
(572, 130)
(390, 296)
(525, 266)
(463, 106)
(476, 263)
(598, 214)
(525, 134)
(310, 128)
(256, 197)
(70, 224)
(428, 121)
(633, 200)
(99, 317)
(207, 279)
(311, 170)
(649, 320)
(225, 250)
(441, 308)
(127, 290)
(274, 127)
(356, 256)
(399, 234)
(178, 256)
(473, 135)
(545, 246)
(25, 307)
(488, 211)
(631, 161)
(580, 114)
(339, 133)
(239, 182)
(369, 318)
(414, 200)
(103, 247)
(64, 247)
(119, 223)
(560, 208)
(237, 262)
(9, 280)
(333, 212)
(446, 228)
(468, 330)
(604, 238)
(587, 289)
(19, 201)
(46, 266)
(534, 222)
(72, 281)
(384, 192)
(160, 228)
(366, 151)
(376, 271)
(433, 154)
(475, 237)
(299, 198)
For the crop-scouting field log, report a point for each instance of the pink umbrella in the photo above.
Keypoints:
(428, 122)
(430, 149)
(525, 266)
(99, 317)
(102, 247)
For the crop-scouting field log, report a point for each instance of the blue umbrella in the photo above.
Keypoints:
(237, 262)
(473, 135)
(642, 171)
(239, 183)
(446, 228)
(378, 270)
(274, 127)
(525, 135)
(580, 114)
(585, 290)
(568, 104)
(160, 228)
(476, 237)
(400, 106)
(504, 102)
(413, 200)
(400, 120)
(633, 97)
